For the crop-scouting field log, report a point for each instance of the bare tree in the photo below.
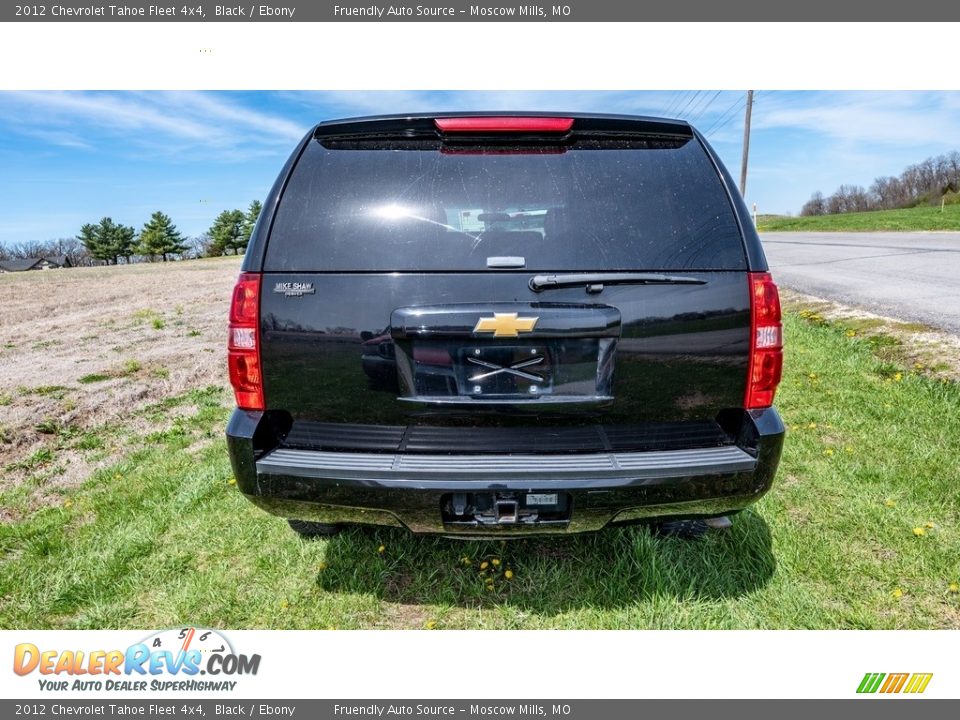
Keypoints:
(923, 182)
(816, 205)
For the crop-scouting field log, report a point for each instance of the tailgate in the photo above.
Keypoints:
(391, 349)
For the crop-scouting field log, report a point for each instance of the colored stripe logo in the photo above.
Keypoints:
(913, 683)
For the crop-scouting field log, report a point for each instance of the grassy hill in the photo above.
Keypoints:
(918, 218)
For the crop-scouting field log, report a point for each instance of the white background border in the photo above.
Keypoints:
(593, 56)
(519, 664)
(487, 56)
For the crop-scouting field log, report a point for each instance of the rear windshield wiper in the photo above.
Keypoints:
(594, 282)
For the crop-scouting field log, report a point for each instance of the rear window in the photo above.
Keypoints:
(408, 205)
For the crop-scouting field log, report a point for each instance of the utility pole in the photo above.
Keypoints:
(746, 143)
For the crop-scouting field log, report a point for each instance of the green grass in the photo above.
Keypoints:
(163, 537)
(93, 378)
(128, 368)
(55, 391)
(39, 458)
(918, 218)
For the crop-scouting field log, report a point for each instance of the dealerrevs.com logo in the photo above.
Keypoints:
(172, 659)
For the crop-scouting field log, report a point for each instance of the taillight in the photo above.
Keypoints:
(766, 342)
(503, 124)
(243, 344)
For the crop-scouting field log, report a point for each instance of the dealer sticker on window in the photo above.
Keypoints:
(541, 498)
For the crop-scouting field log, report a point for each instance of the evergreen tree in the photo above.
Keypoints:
(124, 240)
(160, 237)
(249, 221)
(107, 240)
(226, 233)
(90, 240)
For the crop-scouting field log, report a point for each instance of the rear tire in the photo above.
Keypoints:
(684, 529)
(307, 529)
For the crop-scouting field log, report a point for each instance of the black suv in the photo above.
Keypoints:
(493, 324)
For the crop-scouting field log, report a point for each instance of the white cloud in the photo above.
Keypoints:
(164, 123)
(865, 118)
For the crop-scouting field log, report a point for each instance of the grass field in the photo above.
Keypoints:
(918, 218)
(860, 530)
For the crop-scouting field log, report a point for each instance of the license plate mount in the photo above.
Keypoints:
(506, 370)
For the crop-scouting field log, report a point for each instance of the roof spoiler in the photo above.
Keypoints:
(461, 125)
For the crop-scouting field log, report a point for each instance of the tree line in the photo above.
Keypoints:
(934, 180)
(108, 242)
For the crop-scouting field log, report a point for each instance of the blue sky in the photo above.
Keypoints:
(67, 158)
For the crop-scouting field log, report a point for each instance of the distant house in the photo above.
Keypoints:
(56, 261)
(44, 263)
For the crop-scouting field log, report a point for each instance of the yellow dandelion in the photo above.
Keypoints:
(851, 333)
(232, 481)
(930, 525)
(811, 426)
(495, 562)
(430, 624)
(919, 531)
(284, 604)
(889, 503)
(381, 549)
(484, 565)
(898, 377)
(68, 503)
(918, 366)
(954, 587)
(848, 449)
(897, 593)
(828, 451)
(812, 376)
(508, 574)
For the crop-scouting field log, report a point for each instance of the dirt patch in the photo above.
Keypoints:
(404, 616)
(83, 350)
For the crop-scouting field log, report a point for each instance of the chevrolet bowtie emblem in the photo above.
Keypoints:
(505, 324)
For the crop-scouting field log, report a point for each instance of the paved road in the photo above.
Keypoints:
(910, 276)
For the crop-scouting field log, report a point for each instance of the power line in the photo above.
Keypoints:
(675, 103)
(725, 114)
(688, 102)
(707, 106)
(726, 117)
(695, 105)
